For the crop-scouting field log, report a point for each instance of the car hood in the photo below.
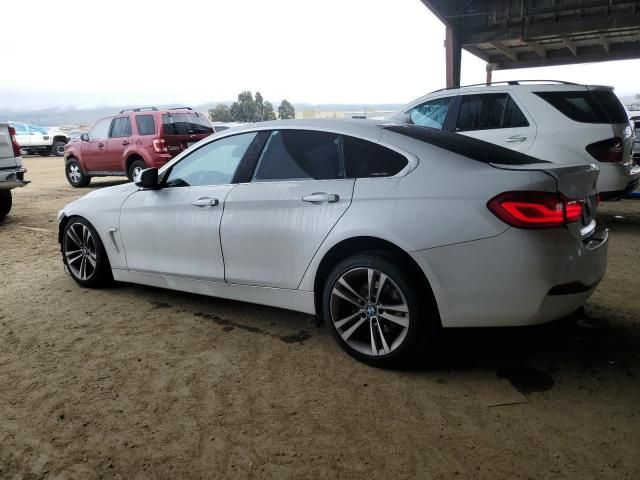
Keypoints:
(56, 131)
(102, 198)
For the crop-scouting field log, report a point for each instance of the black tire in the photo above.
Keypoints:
(75, 175)
(6, 202)
(421, 315)
(44, 153)
(81, 248)
(135, 165)
(58, 148)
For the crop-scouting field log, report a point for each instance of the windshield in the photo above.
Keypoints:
(185, 123)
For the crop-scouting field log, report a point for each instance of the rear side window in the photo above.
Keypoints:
(121, 127)
(431, 114)
(20, 128)
(365, 159)
(599, 106)
(489, 111)
(300, 154)
(185, 124)
(145, 124)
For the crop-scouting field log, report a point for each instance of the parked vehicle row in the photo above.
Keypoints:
(561, 122)
(389, 231)
(11, 169)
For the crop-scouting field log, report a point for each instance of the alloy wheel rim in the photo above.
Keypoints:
(136, 172)
(74, 173)
(80, 251)
(369, 311)
(60, 149)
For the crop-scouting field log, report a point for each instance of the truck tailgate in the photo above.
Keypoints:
(7, 159)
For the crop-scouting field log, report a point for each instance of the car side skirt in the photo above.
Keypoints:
(101, 173)
(297, 300)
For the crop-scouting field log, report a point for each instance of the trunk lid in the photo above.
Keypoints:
(182, 129)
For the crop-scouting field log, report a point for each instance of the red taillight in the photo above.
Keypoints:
(160, 146)
(610, 150)
(14, 143)
(535, 209)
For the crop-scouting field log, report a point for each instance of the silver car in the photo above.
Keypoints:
(387, 231)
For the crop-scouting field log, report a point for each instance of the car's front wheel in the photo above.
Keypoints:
(83, 254)
(75, 176)
(376, 310)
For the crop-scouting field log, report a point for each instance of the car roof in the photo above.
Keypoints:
(356, 127)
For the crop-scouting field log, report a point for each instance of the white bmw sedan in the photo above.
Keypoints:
(387, 231)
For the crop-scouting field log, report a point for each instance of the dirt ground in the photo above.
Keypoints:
(140, 383)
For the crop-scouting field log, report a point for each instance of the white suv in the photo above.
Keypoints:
(556, 121)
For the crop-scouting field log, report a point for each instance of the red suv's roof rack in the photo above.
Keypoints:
(140, 109)
(180, 108)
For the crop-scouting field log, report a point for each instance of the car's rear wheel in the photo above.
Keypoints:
(83, 254)
(58, 149)
(375, 310)
(6, 202)
(135, 168)
(75, 176)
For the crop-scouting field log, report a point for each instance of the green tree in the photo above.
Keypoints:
(286, 110)
(220, 113)
(267, 111)
(244, 110)
(259, 107)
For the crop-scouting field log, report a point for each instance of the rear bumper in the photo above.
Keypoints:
(616, 180)
(13, 178)
(520, 277)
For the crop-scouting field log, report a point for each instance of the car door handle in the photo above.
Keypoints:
(321, 197)
(125, 142)
(100, 145)
(205, 202)
(516, 138)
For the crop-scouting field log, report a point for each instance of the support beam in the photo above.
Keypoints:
(570, 45)
(453, 57)
(506, 51)
(536, 47)
(489, 72)
(605, 43)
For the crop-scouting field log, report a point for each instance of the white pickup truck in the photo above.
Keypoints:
(40, 140)
(11, 169)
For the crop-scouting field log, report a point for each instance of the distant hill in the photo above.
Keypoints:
(76, 116)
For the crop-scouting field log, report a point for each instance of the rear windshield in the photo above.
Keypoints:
(597, 106)
(185, 124)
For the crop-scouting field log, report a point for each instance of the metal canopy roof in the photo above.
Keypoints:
(537, 33)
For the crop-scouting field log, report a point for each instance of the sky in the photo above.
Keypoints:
(95, 53)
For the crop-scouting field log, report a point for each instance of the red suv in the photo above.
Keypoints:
(135, 139)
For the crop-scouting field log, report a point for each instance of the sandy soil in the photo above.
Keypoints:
(139, 383)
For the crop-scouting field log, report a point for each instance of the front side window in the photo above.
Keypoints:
(145, 124)
(37, 129)
(300, 154)
(212, 164)
(364, 159)
(100, 130)
(121, 127)
(432, 113)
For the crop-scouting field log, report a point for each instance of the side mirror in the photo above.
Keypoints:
(84, 137)
(147, 178)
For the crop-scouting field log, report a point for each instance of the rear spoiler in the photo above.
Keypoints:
(472, 148)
